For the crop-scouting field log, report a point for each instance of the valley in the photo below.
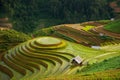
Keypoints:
(59, 40)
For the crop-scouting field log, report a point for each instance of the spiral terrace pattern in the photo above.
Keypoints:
(38, 58)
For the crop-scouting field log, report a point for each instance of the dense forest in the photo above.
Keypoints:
(28, 15)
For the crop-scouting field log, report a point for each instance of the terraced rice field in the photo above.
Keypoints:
(80, 34)
(86, 33)
(44, 57)
(37, 58)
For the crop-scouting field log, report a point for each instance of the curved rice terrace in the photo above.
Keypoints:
(50, 58)
(47, 56)
(77, 33)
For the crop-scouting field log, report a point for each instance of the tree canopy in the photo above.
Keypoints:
(26, 14)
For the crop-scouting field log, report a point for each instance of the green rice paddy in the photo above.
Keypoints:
(48, 56)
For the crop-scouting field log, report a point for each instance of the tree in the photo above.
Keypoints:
(26, 14)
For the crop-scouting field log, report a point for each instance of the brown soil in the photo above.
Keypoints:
(1, 54)
(75, 32)
(88, 38)
(100, 29)
(74, 26)
(93, 23)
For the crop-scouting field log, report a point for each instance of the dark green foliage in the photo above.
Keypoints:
(118, 3)
(10, 38)
(13, 36)
(106, 38)
(26, 15)
(43, 32)
(112, 63)
(111, 0)
(113, 26)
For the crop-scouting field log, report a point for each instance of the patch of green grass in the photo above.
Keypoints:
(113, 26)
(87, 27)
(112, 63)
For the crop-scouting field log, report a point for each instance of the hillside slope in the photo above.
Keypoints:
(106, 70)
(87, 33)
(11, 38)
(48, 56)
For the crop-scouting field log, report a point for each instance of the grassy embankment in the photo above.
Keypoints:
(113, 26)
